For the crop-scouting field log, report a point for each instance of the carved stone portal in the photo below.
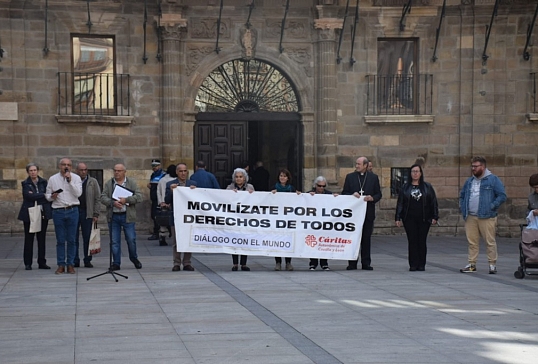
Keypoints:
(248, 38)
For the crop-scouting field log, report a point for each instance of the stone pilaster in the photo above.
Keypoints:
(326, 92)
(172, 27)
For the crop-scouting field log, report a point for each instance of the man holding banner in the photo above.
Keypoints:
(364, 185)
(266, 224)
(181, 181)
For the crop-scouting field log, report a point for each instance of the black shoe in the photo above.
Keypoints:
(421, 269)
(154, 237)
(176, 268)
(88, 265)
(114, 267)
(188, 267)
(234, 268)
(28, 267)
(412, 269)
(245, 268)
(76, 265)
(351, 267)
(44, 266)
(162, 241)
(137, 264)
(367, 267)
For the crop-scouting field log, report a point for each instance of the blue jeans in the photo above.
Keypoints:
(65, 226)
(117, 222)
(85, 225)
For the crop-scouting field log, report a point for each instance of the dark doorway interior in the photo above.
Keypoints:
(273, 138)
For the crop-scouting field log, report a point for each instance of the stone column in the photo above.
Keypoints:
(326, 94)
(172, 27)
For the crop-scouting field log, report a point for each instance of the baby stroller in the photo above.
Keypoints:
(528, 253)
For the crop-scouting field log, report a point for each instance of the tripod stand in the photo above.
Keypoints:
(109, 271)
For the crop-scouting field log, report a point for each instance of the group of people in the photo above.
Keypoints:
(72, 201)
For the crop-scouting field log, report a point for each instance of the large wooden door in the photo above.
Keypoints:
(223, 146)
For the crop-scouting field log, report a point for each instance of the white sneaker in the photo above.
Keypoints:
(469, 268)
(492, 269)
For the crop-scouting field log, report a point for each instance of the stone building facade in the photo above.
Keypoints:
(308, 85)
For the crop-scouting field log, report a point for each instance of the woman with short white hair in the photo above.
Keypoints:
(240, 183)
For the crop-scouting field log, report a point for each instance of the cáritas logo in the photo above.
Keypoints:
(312, 240)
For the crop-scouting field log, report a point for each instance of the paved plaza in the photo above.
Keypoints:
(214, 315)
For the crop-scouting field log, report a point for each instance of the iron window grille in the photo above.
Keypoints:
(399, 94)
(86, 93)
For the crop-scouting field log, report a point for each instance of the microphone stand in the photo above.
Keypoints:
(109, 271)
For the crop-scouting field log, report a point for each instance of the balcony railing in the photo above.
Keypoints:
(81, 93)
(404, 94)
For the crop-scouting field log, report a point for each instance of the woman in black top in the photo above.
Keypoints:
(283, 185)
(417, 209)
(33, 189)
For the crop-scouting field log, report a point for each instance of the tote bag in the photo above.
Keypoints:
(95, 241)
(35, 218)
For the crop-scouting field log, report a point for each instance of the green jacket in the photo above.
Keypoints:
(106, 199)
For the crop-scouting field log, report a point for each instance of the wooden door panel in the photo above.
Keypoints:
(222, 146)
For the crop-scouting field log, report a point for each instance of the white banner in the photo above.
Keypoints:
(262, 223)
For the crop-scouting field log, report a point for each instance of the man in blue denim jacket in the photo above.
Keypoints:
(480, 199)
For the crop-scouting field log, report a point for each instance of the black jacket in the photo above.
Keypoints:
(429, 202)
(371, 187)
(30, 195)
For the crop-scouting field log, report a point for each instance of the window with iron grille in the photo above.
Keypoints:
(93, 87)
(398, 88)
(398, 176)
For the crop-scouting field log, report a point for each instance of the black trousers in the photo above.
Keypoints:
(322, 262)
(417, 234)
(154, 208)
(235, 258)
(366, 241)
(279, 260)
(28, 252)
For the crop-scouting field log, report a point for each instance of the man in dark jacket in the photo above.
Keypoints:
(364, 184)
(203, 178)
(88, 212)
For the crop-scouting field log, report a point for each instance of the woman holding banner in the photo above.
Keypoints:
(320, 188)
(240, 183)
(283, 185)
(417, 209)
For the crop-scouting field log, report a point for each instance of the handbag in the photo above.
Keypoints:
(94, 247)
(529, 245)
(35, 218)
(163, 216)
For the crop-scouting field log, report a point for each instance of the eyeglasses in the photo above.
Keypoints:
(474, 166)
(321, 186)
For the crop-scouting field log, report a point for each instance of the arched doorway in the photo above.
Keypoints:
(248, 110)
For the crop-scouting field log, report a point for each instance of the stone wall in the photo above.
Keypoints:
(478, 108)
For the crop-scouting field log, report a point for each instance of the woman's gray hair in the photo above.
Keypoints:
(318, 180)
(31, 165)
(240, 170)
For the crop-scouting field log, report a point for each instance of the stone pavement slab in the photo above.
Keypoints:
(214, 315)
